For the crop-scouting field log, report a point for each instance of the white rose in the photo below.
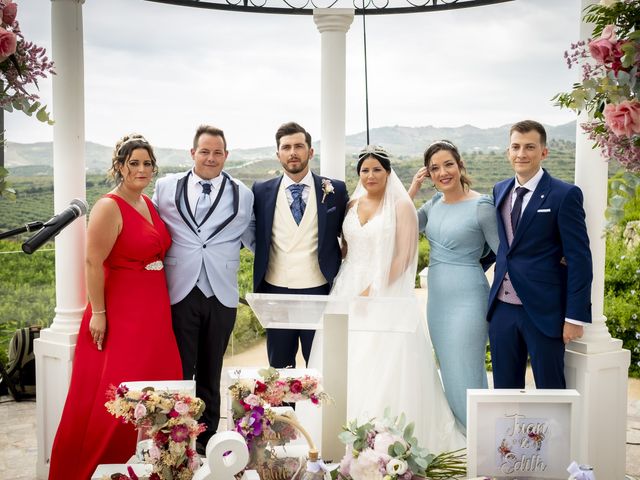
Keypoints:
(396, 466)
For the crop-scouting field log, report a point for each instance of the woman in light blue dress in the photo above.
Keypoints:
(461, 227)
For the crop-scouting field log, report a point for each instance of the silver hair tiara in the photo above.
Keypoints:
(134, 137)
(443, 142)
(375, 150)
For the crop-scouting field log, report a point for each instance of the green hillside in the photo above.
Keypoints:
(35, 192)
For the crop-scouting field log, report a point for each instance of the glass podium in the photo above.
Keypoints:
(333, 318)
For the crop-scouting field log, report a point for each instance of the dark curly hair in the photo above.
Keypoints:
(122, 152)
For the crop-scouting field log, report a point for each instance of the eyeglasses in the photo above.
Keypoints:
(374, 151)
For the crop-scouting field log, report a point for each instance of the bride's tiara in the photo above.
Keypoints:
(374, 150)
(134, 137)
(443, 142)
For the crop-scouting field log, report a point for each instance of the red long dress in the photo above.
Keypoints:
(139, 345)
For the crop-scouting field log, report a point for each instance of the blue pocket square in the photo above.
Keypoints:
(544, 210)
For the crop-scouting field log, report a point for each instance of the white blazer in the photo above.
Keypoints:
(217, 242)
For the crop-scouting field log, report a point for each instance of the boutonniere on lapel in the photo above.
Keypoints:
(327, 188)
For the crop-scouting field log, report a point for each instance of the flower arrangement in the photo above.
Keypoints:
(262, 429)
(610, 88)
(387, 450)
(251, 400)
(327, 188)
(22, 63)
(171, 422)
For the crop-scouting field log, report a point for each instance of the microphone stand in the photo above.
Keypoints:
(28, 227)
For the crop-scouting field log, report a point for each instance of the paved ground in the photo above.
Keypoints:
(18, 451)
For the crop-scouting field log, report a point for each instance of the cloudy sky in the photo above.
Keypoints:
(162, 70)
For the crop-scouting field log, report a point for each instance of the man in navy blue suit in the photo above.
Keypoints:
(541, 293)
(298, 221)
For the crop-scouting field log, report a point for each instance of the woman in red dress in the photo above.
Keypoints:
(126, 332)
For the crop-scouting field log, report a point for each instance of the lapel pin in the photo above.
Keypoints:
(542, 196)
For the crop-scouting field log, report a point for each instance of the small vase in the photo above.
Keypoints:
(144, 442)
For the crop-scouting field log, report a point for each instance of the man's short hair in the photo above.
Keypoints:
(527, 126)
(210, 130)
(291, 128)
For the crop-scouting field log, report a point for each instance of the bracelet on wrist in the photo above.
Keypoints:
(99, 311)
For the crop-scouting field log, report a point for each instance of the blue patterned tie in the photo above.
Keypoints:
(204, 202)
(516, 211)
(297, 205)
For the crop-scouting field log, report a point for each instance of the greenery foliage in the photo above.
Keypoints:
(27, 290)
(27, 282)
(622, 286)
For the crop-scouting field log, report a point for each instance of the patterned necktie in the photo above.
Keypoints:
(297, 205)
(204, 202)
(516, 210)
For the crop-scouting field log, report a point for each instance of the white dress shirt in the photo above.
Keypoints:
(307, 181)
(194, 189)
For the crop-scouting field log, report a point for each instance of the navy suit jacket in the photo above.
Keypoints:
(549, 260)
(330, 217)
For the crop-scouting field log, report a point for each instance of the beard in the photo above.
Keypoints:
(296, 167)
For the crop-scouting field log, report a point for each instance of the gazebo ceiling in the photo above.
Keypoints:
(306, 7)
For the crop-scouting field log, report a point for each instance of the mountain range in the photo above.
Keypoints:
(398, 140)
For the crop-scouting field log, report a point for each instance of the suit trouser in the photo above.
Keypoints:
(513, 336)
(202, 327)
(282, 344)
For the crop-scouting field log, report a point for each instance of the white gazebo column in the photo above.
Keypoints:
(597, 366)
(333, 24)
(55, 347)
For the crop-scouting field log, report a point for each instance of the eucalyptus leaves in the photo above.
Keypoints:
(386, 449)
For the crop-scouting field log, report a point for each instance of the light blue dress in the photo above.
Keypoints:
(459, 235)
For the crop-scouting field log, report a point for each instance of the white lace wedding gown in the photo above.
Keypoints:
(389, 369)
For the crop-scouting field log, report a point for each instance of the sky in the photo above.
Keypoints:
(162, 70)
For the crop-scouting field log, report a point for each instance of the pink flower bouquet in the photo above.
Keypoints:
(171, 422)
(610, 87)
(387, 450)
(22, 64)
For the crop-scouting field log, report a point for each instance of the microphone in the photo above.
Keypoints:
(55, 225)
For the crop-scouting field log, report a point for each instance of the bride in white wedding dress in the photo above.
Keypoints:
(388, 367)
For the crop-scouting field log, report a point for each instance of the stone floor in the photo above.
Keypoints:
(18, 451)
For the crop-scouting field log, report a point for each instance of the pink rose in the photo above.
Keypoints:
(623, 118)
(140, 411)
(9, 13)
(295, 386)
(7, 43)
(602, 50)
(609, 33)
(181, 407)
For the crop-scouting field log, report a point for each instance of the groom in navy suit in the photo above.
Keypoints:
(298, 220)
(541, 293)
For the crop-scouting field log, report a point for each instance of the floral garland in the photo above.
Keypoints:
(251, 399)
(22, 63)
(170, 420)
(610, 87)
(387, 450)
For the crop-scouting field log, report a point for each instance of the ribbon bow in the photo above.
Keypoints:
(578, 474)
(320, 466)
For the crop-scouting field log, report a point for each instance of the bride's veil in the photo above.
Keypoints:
(394, 268)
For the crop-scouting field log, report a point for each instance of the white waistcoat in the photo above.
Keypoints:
(293, 257)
